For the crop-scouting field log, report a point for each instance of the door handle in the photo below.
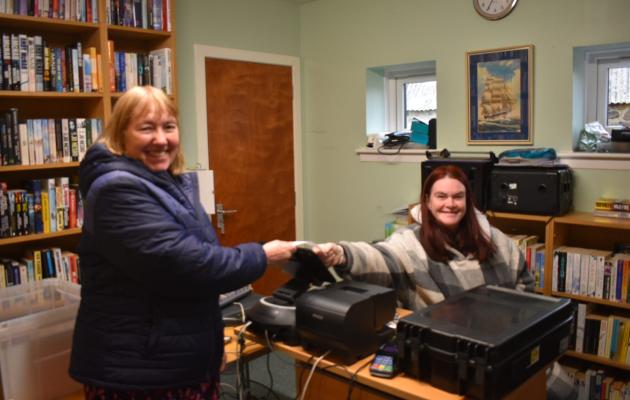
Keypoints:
(221, 211)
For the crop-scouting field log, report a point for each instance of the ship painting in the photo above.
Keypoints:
(498, 101)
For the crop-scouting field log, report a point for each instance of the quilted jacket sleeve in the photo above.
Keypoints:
(148, 242)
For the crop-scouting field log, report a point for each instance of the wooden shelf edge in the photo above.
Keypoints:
(597, 359)
(522, 217)
(22, 168)
(587, 299)
(51, 95)
(588, 219)
(25, 20)
(139, 33)
(39, 236)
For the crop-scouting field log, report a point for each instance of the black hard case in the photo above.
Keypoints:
(531, 190)
(484, 342)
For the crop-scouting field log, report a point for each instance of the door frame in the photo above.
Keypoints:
(201, 52)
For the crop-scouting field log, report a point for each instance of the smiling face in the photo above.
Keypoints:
(447, 202)
(153, 138)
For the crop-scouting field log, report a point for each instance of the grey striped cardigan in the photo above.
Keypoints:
(401, 262)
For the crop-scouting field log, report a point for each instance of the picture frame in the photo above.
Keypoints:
(500, 96)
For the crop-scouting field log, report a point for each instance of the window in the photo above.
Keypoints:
(395, 94)
(613, 93)
(415, 97)
(601, 88)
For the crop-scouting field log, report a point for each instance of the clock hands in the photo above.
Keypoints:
(489, 4)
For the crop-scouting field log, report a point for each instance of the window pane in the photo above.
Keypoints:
(420, 101)
(618, 96)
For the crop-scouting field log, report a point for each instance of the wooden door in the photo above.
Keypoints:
(250, 145)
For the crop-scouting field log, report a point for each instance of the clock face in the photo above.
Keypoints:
(494, 9)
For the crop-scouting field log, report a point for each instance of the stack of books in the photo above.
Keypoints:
(615, 208)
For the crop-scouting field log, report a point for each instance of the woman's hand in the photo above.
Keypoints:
(331, 254)
(278, 250)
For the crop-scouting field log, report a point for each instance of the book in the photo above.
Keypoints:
(610, 204)
(612, 214)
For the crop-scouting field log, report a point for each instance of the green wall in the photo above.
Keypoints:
(337, 40)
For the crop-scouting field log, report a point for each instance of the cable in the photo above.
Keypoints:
(354, 377)
(310, 375)
(240, 382)
(268, 366)
(242, 310)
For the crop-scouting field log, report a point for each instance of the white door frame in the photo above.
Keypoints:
(201, 52)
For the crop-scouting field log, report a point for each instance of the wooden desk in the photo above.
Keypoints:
(331, 381)
(251, 350)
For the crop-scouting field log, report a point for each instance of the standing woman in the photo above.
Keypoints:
(450, 248)
(149, 324)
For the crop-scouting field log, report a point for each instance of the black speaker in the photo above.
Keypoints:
(531, 190)
(433, 133)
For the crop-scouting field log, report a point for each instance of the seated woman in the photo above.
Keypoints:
(450, 248)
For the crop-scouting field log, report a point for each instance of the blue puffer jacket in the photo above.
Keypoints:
(152, 270)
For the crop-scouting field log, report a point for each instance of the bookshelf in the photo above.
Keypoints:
(584, 230)
(539, 225)
(98, 28)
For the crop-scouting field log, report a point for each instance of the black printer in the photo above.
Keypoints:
(349, 317)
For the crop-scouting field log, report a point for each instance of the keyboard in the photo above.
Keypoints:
(228, 298)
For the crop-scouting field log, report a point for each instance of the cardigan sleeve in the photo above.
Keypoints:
(398, 262)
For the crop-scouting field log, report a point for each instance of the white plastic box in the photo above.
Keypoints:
(36, 325)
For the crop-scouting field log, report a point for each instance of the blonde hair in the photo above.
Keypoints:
(135, 102)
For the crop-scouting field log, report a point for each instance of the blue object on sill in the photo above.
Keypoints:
(419, 132)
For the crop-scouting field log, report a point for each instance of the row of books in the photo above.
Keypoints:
(136, 69)
(592, 273)
(594, 384)
(612, 208)
(46, 205)
(145, 14)
(70, 10)
(534, 253)
(40, 264)
(30, 65)
(606, 336)
(45, 140)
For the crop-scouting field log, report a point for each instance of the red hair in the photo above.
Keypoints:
(468, 237)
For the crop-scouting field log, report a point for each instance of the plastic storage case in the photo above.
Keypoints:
(36, 325)
(484, 342)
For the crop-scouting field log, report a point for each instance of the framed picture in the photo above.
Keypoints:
(500, 94)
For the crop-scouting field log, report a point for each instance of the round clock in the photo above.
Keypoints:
(494, 9)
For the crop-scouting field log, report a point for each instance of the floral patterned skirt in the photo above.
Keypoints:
(203, 391)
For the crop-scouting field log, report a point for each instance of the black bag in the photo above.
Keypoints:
(484, 342)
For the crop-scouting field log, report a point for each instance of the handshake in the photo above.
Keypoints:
(331, 254)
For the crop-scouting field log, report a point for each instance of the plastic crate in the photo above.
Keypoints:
(36, 325)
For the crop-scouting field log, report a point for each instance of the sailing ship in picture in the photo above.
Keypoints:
(498, 107)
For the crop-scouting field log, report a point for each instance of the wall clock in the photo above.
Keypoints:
(494, 9)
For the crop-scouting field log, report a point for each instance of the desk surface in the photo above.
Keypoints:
(401, 386)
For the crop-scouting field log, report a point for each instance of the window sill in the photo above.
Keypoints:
(576, 160)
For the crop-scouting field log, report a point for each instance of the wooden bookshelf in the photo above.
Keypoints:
(582, 229)
(598, 360)
(47, 104)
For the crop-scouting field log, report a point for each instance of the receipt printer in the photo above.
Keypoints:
(346, 317)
